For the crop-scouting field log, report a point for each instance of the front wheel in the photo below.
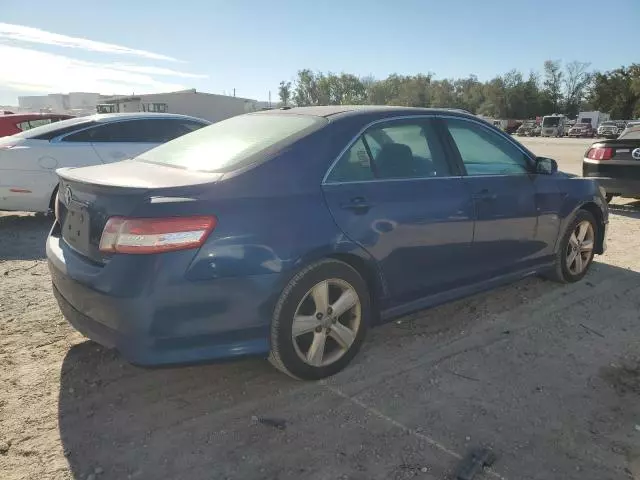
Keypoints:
(320, 321)
(576, 250)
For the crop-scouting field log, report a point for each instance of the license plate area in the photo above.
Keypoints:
(75, 228)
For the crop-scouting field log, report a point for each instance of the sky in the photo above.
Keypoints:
(128, 46)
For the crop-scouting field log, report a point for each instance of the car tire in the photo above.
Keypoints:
(564, 270)
(301, 304)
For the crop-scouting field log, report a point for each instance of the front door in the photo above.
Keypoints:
(395, 194)
(499, 176)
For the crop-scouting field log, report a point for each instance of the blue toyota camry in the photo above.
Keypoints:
(288, 233)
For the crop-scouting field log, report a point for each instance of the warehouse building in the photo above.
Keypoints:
(209, 106)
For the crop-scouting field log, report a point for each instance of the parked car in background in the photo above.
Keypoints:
(529, 128)
(581, 130)
(21, 122)
(288, 233)
(553, 125)
(28, 160)
(609, 129)
(615, 164)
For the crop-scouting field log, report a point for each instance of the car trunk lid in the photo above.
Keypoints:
(622, 149)
(88, 197)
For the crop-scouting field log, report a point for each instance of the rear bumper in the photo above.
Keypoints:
(155, 323)
(619, 186)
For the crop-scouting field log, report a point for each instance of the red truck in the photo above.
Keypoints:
(19, 122)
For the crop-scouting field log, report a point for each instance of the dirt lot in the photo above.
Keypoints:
(547, 376)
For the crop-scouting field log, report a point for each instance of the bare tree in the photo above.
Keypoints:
(553, 78)
(576, 82)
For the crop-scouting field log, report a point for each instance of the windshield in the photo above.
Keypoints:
(53, 127)
(630, 135)
(583, 125)
(231, 144)
(550, 121)
(608, 124)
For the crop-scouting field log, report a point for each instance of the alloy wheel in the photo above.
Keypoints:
(580, 248)
(326, 322)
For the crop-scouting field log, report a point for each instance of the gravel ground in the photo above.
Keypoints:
(547, 376)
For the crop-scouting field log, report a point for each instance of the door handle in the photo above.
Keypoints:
(358, 204)
(485, 195)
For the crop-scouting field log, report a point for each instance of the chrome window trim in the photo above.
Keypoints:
(380, 180)
(480, 122)
(61, 138)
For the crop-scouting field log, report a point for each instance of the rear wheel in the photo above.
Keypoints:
(320, 321)
(576, 250)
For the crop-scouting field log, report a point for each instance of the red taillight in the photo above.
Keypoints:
(155, 235)
(600, 153)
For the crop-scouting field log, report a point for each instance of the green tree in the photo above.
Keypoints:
(284, 91)
(617, 92)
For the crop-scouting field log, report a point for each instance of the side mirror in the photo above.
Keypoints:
(546, 166)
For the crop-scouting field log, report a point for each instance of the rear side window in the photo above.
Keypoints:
(28, 125)
(233, 143)
(398, 150)
(55, 129)
(122, 132)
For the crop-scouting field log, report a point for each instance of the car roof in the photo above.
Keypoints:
(114, 117)
(32, 116)
(338, 111)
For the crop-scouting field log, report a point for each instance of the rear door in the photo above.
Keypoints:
(499, 175)
(394, 192)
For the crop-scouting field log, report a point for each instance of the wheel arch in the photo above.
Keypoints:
(594, 210)
(361, 262)
(371, 275)
(52, 200)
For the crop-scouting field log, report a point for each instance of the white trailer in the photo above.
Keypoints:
(593, 118)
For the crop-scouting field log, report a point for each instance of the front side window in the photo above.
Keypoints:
(394, 151)
(484, 152)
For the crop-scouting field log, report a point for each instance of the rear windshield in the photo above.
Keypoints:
(233, 143)
(630, 135)
(46, 130)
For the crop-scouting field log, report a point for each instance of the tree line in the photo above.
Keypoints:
(567, 89)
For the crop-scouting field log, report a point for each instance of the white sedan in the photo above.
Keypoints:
(28, 160)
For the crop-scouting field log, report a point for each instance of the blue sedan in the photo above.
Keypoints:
(288, 233)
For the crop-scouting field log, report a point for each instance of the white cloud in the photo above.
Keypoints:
(27, 70)
(22, 33)
(154, 70)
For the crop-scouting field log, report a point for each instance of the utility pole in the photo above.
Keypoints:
(234, 92)
(269, 98)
